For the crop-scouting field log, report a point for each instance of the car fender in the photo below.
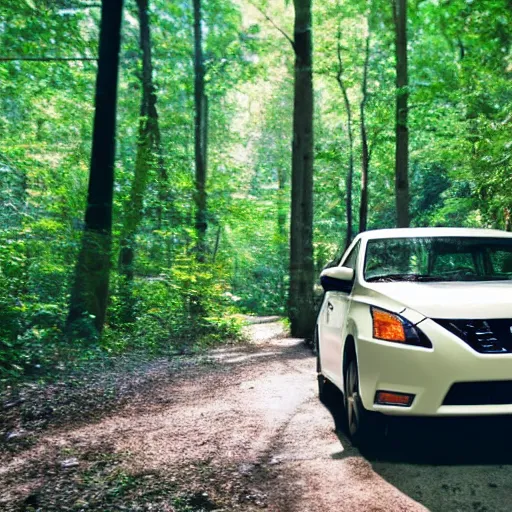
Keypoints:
(359, 323)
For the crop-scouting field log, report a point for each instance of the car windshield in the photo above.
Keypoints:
(438, 259)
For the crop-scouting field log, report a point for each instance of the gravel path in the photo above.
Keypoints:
(245, 431)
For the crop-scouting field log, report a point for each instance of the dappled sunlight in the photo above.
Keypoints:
(202, 416)
(238, 358)
(265, 332)
(257, 423)
(199, 203)
(276, 348)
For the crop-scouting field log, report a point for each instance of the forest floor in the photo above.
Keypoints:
(240, 429)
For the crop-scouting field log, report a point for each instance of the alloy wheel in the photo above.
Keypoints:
(352, 398)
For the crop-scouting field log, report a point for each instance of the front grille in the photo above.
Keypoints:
(485, 336)
(497, 392)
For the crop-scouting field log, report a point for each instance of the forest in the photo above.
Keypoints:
(169, 167)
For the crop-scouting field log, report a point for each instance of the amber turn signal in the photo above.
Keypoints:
(389, 398)
(387, 326)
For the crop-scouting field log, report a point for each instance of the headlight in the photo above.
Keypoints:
(392, 327)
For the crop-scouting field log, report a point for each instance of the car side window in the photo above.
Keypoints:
(351, 260)
(501, 262)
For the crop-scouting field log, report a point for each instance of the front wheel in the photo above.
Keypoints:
(366, 428)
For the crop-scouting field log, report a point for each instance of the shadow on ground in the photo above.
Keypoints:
(242, 429)
(446, 464)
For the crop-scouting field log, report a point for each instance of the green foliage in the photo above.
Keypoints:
(45, 128)
(460, 66)
(183, 308)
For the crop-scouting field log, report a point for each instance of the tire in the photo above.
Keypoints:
(365, 428)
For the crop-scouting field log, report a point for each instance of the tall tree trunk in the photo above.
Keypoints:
(301, 305)
(163, 183)
(201, 127)
(365, 155)
(148, 141)
(402, 131)
(89, 292)
(281, 228)
(350, 133)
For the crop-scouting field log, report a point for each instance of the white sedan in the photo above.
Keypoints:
(418, 322)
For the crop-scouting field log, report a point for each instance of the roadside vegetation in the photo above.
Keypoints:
(160, 243)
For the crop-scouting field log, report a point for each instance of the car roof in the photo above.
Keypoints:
(432, 232)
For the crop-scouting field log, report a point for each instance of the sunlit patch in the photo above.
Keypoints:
(248, 357)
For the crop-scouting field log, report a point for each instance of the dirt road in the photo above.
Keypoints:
(244, 430)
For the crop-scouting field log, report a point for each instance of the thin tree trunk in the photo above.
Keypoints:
(201, 124)
(281, 205)
(163, 183)
(197, 308)
(350, 133)
(301, 304)
(148, 139)
(217, 243)
(365, 155)
(402, 131)
(89, 294)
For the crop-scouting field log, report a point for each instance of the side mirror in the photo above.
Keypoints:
(337, 279)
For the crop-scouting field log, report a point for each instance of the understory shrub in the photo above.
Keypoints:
(182, 309)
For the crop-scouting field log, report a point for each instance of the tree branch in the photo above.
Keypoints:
(339, 78)
(272, 22)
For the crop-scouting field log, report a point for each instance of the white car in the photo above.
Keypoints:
(418, 322)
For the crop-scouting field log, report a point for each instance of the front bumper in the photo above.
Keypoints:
(428, 373)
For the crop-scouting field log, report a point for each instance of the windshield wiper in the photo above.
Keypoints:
(388, 278)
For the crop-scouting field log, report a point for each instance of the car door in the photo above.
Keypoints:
(334, 312)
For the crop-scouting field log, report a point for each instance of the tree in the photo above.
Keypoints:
(201, 131)
(148, 146)
(301, 308)
(402, 130)
(365, 153)
(350, 134)
(459, 157)
(89, 293)
(273, 167)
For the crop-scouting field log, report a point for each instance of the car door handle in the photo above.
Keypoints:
(330, 307)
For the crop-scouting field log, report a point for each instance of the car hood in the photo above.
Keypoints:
(470, 300)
